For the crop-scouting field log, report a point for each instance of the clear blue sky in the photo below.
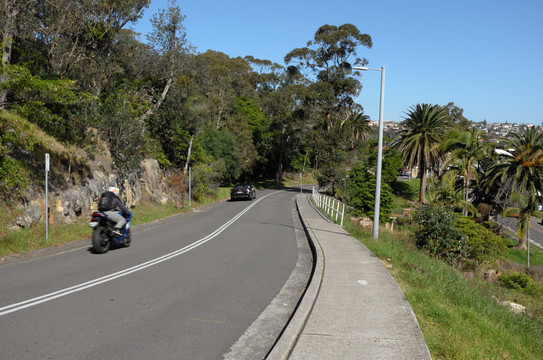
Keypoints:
(486, 56)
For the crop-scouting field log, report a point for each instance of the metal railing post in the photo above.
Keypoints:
(342, 214)
(329, 206)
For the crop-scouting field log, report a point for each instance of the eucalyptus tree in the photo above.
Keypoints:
(173, 52)
(74, 39)
(178, 123)
(130, 58)
(17, 23)
(326, 63)
(456, 116)
(287, 117)
(60, 48)
(9, 13)
(249, 124)
(265, 77)
(237, 92)
(524, 168)
(122, 133)
(277, 94)
(464, 150)
(227, 79)
(419, 141)
(329, 58)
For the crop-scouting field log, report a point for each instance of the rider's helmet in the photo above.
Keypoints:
(114, 190)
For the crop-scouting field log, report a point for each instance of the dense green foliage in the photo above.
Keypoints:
(229, 119)
(221, 145)
(81, 75)
(359, 193)
(465, 149)
(12, 181)
(484, 245)
(520, 281)
(358, 187)
(459, 240)
(438, 235)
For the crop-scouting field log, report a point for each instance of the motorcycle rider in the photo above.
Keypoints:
(110, 203)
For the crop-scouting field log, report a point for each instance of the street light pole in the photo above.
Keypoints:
(379, 152)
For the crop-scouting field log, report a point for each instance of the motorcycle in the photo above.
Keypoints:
(103, 236)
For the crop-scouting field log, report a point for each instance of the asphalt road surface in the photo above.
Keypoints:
(187, 288)
(536, 229)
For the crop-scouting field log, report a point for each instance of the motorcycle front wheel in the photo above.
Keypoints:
(100, 240)
(127, 239)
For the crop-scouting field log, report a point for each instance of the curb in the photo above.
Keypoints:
(286, 343)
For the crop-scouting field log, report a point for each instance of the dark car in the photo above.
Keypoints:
(243, 191)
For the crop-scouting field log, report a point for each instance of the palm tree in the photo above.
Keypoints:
(443, 191)
(525, 170)
(420, 139)
(357, 127)
(524, 210)
(360, 125)
(465, 149)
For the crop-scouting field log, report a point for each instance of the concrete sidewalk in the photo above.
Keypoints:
(352, 308)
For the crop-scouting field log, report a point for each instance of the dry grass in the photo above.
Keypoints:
(31, 132)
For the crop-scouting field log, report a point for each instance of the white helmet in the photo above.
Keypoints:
(114, 190)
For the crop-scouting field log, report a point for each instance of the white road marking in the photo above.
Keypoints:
(60, 293)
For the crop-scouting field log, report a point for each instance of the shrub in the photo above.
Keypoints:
(12, 180)
(485, 210)
(360, 194)
(204, 182)
(458, 240)
(221, 145)
(519, 281)
(438, 235)
(485, 246)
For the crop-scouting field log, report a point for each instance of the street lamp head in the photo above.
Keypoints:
(365, 68)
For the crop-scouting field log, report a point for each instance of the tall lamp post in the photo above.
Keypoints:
(379, 153)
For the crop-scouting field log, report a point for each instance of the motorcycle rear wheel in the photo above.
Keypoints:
(100, 240)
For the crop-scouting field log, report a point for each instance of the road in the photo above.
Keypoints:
(536, 232)
(187, 288)
(536, 229)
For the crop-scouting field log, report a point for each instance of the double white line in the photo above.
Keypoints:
(60, 293)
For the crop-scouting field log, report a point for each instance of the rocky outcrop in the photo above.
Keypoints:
(32, 214)
(66, 205)
(152, 180)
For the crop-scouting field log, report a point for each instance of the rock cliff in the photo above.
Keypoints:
(67, 203)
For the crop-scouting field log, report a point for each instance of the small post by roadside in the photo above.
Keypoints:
(46, 198)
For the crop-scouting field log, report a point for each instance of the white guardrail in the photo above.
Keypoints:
(329, 205)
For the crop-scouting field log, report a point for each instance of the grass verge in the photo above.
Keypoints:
(519, 256)
(459, 317)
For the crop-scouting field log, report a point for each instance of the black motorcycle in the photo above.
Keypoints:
(103, 236)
